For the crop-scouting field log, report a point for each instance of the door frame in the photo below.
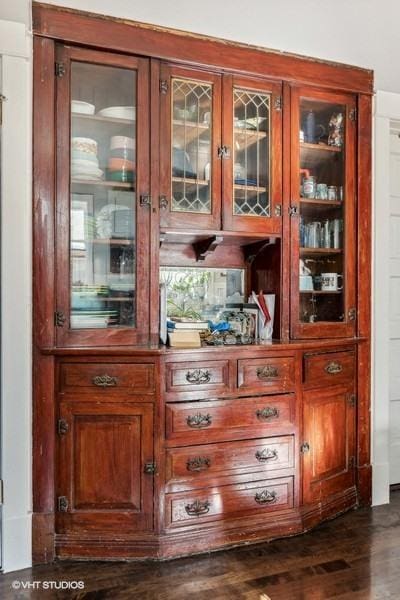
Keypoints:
(387, 109)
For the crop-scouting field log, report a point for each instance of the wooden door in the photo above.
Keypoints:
(323, 226)
(102, 210)
(190, 149)
(102, 452)
(252, 165)
(329, 443)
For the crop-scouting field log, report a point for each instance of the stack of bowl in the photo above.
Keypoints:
(84, 161)
(121, 163)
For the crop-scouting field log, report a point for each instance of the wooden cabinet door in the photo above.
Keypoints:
(102, 210)
(190, 148)
(329, 443)
(102, 452)
(323, 226)
(252, 164)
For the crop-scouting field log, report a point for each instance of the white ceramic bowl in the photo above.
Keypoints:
(82, 108)
(84, 144)
(121, 141)
(118, 112)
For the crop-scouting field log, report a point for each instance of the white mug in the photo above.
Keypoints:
(330, 282)
(306, 283)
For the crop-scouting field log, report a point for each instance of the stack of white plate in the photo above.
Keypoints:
(84, 161)
(82, 108)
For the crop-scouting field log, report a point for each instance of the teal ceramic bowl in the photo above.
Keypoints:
(121, 176)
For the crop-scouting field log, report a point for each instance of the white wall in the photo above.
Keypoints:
(15, 82)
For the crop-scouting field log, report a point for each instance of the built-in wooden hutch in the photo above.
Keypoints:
(156, 150)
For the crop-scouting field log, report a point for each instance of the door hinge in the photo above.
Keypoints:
(2, 99)
(59, 318)
(353, 114)
(163, 86)
(352, 400)
(163, 201)
(145, 200)
(278, 103)
(352, 462)
(1, 492)
(293, 210)
(62, 503)
(150, 468)
(62, 426)
(305, 447)
(224, 152)
(60, 69)
(352, 314)
(278, 210)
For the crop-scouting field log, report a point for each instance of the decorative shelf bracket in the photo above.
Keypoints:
(251, 251)
(203, 248)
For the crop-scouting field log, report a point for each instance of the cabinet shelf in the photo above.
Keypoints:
(321, 203)
(113, 241)
(189, 181)
(250, 188)
(187, 131)
(320, 147)
(108, 184)
(321, 292)
(320, 251)
(100, 119)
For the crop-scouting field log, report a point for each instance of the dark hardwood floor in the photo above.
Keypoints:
(356, 556)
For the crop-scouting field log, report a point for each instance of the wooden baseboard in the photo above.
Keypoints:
(43, 550)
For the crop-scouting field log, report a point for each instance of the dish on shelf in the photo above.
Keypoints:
(84, 144)
(105, 220)
(121, 141)
(89, 172)
(252, 123)
(181, 165)
(82, 108)
(248, 182)
(118, 112)
(120, 164)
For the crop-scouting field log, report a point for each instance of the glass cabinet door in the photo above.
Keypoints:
(101, 170)
(252, 176)
(323, 236)
(190, 148)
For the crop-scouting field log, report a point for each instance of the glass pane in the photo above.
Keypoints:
(251, 155)
(191, 146)
(103, 199)
(322, 198)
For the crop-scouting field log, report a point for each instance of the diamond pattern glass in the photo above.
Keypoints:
(251, 159)
(191, 146)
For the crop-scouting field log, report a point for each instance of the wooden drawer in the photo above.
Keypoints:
(329, 368)
(131, 378)
(229, 501)
(225, 419)
(194, 376)
(272, 374)
(230, 458)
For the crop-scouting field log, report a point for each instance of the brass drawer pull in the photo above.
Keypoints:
(200, 463)
(105, 381)
(267, 372)
(268, 412)
(198, 376)
(199, 421)
(266, 497)
(266, 454)
(197, 508)
(333, 368)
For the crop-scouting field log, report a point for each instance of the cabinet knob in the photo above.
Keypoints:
(199, 421)
(266, 497)
(333, 368)
(105, 380)
(266, 413)
(200, 463)
(198, 508)
(266, 454)
(198, 376)
(267, 372)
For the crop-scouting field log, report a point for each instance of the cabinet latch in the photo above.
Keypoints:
(150, 468)
(163, 202)
(2, 99)
(163, 86)
(293, 210)
(305, 447)
(59, 69)
(224, 152)
(62, 427)
(145, 200)
(352, 400)
(352, 462)
(352, 314)
(278, 103)
(278, 210)
(353, 114)
(62, 503)
(59, 318)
